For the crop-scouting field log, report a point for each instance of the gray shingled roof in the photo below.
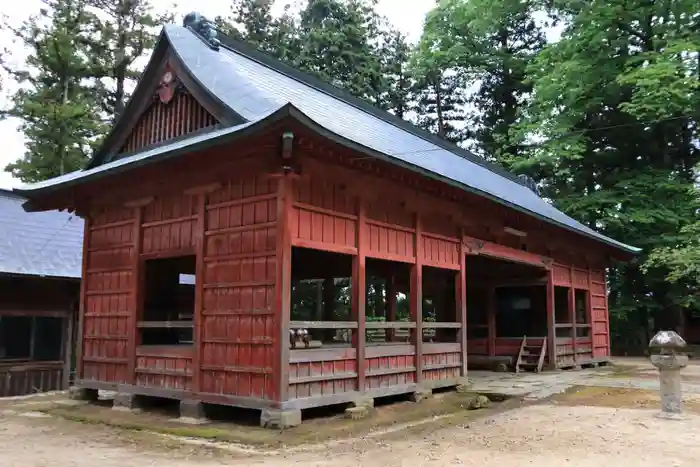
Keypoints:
(38, 243)
(255, 86)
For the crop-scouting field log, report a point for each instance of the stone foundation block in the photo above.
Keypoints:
(357, 413)
(463, 386)
(478, 402)
(192, 413)
(367, 402)
(421, 394)
(83, 394)
(125, 402)
(280, 419)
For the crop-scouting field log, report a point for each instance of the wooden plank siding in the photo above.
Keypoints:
(237, 347)
(109, 283)
(242, 230)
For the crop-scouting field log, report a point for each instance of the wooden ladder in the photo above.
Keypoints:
(531, 357)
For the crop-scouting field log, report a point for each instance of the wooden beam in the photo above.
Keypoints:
(461, 301)
(283, 284)
(200, 267)
(551, 329)
(416, 300)
(494, 250)
(359, 292)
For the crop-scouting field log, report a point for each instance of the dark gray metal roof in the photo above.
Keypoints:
(255, 86)
(46, 243)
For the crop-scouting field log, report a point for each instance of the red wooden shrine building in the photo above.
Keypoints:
(257, 238)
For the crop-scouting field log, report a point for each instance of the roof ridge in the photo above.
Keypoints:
(267, 60)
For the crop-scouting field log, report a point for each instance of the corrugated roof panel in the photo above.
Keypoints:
(46, 243)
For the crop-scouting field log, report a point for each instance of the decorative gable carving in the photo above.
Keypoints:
(173, 112)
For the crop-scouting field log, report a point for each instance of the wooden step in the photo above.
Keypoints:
(530, 357)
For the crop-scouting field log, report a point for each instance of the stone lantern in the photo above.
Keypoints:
(670, 359)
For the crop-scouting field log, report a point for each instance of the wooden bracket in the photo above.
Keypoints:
(203, 189)
(138, 203)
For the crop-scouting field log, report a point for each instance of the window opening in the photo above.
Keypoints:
(169, 295)
(387, 310)
(440, 317)
(32, 338)
(321, 294)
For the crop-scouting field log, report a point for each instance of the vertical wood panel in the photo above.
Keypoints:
(239, 325)
(161, 122)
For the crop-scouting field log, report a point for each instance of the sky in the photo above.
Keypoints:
(408, 20)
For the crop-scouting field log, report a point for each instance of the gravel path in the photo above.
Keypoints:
(542, 435)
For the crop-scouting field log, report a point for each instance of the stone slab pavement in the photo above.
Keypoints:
(639, 374)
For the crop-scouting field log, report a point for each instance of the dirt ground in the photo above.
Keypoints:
(585, 427)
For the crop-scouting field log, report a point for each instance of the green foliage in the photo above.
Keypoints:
(58, 110)
(487, 45)
(124, 31)
(616, 102)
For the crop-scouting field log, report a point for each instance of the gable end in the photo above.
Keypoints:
(173, 112)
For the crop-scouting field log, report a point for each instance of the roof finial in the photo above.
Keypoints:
(203, 27)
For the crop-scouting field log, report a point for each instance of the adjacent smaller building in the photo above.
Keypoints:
(40, 267)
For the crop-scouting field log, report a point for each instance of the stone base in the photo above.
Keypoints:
(463, 385)
(125, 402)
(366, 402)
(83, 394)
(421, 394)
(192, 413)
(478, 402)
(669, 416)
(280, 419)
(357, 413)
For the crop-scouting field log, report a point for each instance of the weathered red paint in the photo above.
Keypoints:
(242, 228)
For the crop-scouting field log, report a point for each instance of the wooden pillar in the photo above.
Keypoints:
(492, 303)
(283, 284)
(551, 330)
(83, 302)
(135, 308)
(359, 295)
(416, 300)
(198, 315)
(391, 305)
(461, 302)
(572, 313)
